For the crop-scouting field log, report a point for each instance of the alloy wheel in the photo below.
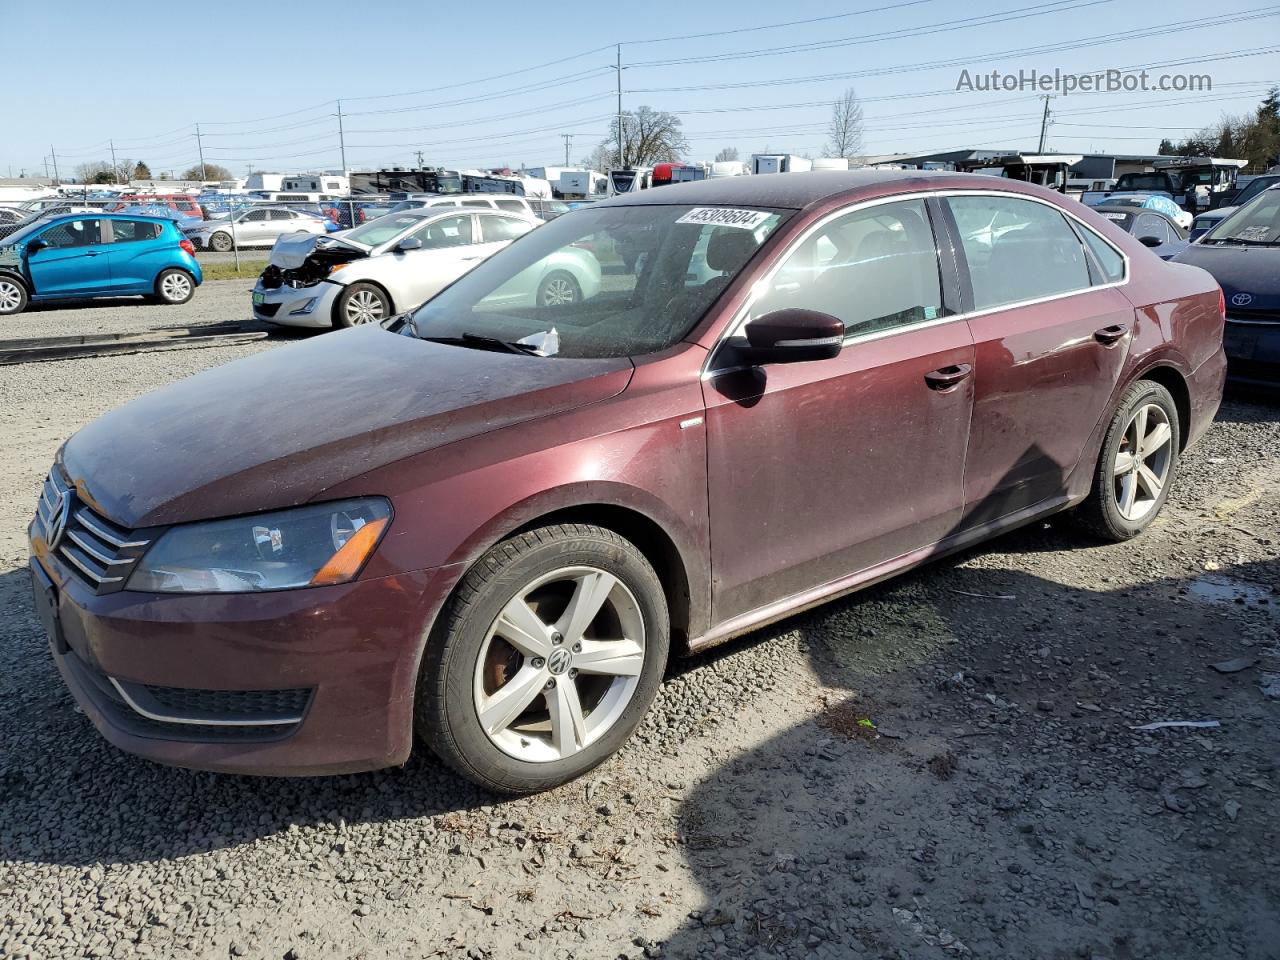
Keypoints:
(1142, 462)
(558, 291)
(364, 306)
(559, 664)
(175, 287)
(10, 296)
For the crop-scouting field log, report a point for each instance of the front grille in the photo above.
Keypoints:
(267, 309)
(99, 552)
(119, 702)
(1252, 316)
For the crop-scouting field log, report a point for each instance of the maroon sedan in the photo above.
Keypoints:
(490, 521)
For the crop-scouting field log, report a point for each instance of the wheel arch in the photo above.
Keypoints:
(19, 279)
(1172, 379)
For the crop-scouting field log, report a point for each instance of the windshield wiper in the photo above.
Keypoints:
(477, 342)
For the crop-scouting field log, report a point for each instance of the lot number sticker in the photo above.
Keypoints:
(724, 217)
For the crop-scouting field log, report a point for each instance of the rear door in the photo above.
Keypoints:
(1051, 333)
(134, 254)
(74, 260)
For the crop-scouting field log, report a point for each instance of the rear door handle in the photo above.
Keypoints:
(1112, 334)
(945, 378)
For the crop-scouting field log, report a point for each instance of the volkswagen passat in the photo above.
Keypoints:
(489, 523)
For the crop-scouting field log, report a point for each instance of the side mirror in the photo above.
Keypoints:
(409, 243)
(35, 246)
(793, 336)
(1150, 241)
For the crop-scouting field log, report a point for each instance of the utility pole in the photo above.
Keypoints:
(200, 147)
(115, 170)
(53, 155)
(342, 140)
(1044, 122)
(568, 140)
(419, 155)
(622, 160)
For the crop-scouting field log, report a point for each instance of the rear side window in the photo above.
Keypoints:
(477, 203)
(128, 231)
(1109, 261)
(875, 269)
(1017, 250)
(503, 228)
(513, 205)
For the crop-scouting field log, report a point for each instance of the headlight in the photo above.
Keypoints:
(310, 546)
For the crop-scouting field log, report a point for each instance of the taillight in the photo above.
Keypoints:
(187, 245)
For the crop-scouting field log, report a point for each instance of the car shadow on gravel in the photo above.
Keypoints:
(973, 784)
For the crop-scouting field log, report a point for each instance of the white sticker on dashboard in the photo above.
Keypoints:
(725, 217)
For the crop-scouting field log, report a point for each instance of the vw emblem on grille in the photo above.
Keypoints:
(558, 662)
(1242, 299)
(56, 525)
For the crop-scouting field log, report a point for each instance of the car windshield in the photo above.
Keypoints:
(377, 232)
(1255, 223)
(601, 282)
(22, 233)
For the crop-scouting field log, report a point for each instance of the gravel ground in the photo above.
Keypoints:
(943, 766)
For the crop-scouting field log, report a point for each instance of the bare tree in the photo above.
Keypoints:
(728, 153)
(648, 136)
(98, 171)
(845, 129)
(207, 171)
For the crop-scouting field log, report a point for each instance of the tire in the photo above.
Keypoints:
(469, 661)
(221, 242)
(557, 289)
(361, 303)
(13, 296)
(1128, 493)
(174, 286)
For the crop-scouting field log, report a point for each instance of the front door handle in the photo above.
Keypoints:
(945, 378)
(1112, 334)
(92, 253)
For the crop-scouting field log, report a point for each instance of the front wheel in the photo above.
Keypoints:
(174, 286)
(1137, 465)
(359, 304)
(546, 659)
(13, 297)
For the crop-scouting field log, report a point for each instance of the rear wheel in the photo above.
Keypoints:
(557, 289)
(546, 659)
(221, 242)
(1137, 466)
(174, 286)
(13, 296)
(359, 304)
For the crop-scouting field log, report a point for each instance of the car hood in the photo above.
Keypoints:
(1240, 271)
(291, 250)
(278, 428)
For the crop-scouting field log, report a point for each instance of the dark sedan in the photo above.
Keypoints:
(1152, 228)
(490, 522)
(1243, 254)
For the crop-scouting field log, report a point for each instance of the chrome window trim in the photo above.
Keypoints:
(739, 320)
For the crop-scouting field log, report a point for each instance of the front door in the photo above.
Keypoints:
(822, 469)
(1051, 335)
(73, 260)
(449, 249)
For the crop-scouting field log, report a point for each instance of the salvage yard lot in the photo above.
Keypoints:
(942, 766)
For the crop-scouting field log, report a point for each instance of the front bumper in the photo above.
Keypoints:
(192, 680)
(280, 304)
(1253, 351)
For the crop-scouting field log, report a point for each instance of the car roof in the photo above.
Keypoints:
(106, 216)
(798, 190)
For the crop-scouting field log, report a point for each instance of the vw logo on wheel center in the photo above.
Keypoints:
(558, 662)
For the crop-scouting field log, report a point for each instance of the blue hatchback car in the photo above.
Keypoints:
(88, 255)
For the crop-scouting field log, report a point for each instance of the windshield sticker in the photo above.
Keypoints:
(723, 217)
(1115, 216)
(1255, 234)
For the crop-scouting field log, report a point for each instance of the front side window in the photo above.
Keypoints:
(73, 233)
(874, 269)
(1017, 250)
(609, 281)
(446, 232)
(281, 215)
(254, 215)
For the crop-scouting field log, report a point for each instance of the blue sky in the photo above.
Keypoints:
(146, 80)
